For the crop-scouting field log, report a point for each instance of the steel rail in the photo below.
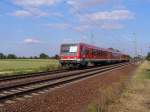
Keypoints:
(52, 77)
(36, 74)
(26, 89)
(28, 75)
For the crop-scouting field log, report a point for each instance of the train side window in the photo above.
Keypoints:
(90, 51)
(94, 52)
(83, 50)
(103, 53)
(87, 51)
(99, 52)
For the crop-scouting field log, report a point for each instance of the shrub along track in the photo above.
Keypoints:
(12, 89)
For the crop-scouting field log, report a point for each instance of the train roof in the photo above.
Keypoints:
(95, 47)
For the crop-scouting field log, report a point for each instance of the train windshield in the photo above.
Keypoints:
(69, 50)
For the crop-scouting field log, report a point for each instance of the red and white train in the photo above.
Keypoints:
(82, 54)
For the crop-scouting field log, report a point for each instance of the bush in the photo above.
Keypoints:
(148, 56)
(43, 56)
(11, 56)
(2, 56)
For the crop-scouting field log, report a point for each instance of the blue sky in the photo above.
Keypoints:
(29, 27)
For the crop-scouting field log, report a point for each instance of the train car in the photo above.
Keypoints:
(82, 54)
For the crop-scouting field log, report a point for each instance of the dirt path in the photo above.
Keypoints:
(137, 97)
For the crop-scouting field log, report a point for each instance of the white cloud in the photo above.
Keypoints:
(56, 14)
(81, 38)
(107, 15)
(90, 19)
(64, 26)
(25, 13)
(111, 26)
(22, 13)
(59, 26)
(34, 8)
(81, 28)
(34, 12)
(35, 3)
(31, 41)
(80, 4)
(68, 40)
(105, 26)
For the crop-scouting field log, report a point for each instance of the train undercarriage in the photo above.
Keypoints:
(79, 64)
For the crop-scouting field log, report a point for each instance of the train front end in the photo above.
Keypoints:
(70, 55)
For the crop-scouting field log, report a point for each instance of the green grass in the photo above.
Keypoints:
(134, 98)
(147, 73)
(19, 66)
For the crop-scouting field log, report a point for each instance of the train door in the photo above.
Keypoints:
(100, 54)
(84, 56)
(82, 52)
(109, 56)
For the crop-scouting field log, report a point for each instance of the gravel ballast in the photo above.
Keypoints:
(73, 97)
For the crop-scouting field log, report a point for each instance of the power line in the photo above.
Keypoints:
(89, 19)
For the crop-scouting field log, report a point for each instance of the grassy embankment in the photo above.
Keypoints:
(133, 96)
(136, 98)
(20, 66)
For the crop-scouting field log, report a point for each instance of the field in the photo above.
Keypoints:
(19, 66)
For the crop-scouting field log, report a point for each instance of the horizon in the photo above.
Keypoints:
(29, 28)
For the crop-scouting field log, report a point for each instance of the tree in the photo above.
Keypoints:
(31, 57)
(35, 57)
(148, 56)
(2, 56)
(11, 56)
(43, 56)
(55, 57)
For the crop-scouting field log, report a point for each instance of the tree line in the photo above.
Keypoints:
(41, 56)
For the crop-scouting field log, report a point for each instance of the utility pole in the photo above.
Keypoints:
(141, 52)
(135, 45)
(92, 38)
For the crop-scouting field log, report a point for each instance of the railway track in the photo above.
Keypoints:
(29, 75)
(14, 77)
(19, 90)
